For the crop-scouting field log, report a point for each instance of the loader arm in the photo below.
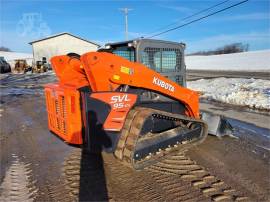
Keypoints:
(106, 72)
(109, 69)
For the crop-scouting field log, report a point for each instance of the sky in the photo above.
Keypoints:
(23, 21)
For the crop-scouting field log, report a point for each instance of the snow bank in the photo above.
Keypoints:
(15, 55)
(256, 61)
(10, 57)
(254, 93)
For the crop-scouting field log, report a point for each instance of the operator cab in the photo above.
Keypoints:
(164, 57)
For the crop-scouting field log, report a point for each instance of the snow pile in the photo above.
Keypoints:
(257, 61)
(254, 93)
(15, 55)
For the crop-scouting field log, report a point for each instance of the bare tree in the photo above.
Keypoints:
(231, 48)
(2, 48)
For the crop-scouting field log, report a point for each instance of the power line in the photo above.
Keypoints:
(198, 19)
(190, 16)
(202, 11)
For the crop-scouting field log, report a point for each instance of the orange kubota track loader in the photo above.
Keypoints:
(102, 102)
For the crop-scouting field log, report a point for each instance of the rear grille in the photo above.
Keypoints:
(64, 114)
(58, 119)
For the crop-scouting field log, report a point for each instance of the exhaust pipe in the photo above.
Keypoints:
(218, 125)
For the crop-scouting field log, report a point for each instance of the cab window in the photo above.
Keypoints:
(125, 52)
(162, 59)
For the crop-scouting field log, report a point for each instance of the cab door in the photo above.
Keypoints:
(165, 58)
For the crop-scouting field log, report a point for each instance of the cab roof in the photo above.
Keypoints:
(140, 40)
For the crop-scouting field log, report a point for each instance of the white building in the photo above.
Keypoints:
(61, 44)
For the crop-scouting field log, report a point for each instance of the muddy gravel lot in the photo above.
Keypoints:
(38, 166)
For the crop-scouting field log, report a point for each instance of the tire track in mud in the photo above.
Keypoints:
(28, 145)
(18, 184)
(85, 177)
(238, 179)
(181, 167)
(176, 178)
(50, 188)
(121, 183)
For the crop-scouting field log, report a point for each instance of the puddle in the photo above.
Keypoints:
(20, 91)
(259, 136)
(25, 84)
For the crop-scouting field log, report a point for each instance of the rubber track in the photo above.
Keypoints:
(130, 135)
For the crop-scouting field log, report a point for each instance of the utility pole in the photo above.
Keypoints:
(126, 10)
